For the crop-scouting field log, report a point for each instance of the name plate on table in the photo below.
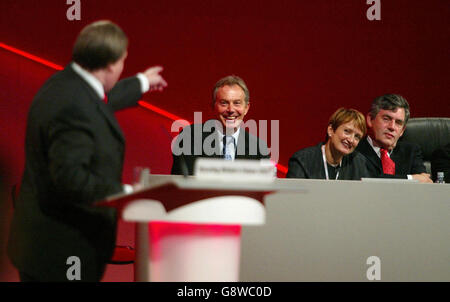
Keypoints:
(237, 170)
(389, 180)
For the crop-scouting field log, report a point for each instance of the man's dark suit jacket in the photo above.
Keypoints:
(248, 147)
(74, 155)
(308, 163)
(406, 156)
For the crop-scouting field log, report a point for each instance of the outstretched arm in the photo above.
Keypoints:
(127, 92)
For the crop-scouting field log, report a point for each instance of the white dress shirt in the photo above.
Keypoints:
(98, 86)
(230, 149)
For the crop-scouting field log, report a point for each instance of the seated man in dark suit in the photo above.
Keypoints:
(385, 156)
(74, 150)
(222, 138)
(440, 162)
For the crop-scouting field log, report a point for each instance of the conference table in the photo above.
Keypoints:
(343, 230)
(303, 230)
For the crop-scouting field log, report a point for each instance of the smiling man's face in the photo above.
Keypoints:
(230, 105)
(387, 127)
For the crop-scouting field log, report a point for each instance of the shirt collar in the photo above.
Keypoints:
(375, 148)
(90, 80)
(235, 134)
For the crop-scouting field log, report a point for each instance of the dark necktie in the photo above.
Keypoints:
(387, 163)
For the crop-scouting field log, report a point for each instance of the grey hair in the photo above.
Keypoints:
(389, 102)
(230, 81)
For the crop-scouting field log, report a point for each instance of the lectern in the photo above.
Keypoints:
(189, 229)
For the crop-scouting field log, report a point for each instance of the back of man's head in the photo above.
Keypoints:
(99, 44)
(389, 102)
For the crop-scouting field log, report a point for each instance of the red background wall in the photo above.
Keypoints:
(301, 61)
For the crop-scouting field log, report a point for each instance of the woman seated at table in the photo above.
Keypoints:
(335, 158)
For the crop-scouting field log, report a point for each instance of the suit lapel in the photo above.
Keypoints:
(316, 162)
(367, 150)
(103, 108)
(401, 159)
(242, 144)
(107, 112)
(216, 147)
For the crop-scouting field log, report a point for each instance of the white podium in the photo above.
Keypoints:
(190, 230)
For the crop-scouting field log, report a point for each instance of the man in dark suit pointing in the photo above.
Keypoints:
(386, 157)
(74, 155)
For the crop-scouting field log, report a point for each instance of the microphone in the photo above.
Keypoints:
(183, 166)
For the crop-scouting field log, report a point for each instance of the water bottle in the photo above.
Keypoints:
(440, 178)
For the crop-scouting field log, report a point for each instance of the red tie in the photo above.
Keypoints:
(105, 99)
(387, 162)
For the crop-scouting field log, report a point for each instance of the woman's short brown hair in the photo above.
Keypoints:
(344, 115)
